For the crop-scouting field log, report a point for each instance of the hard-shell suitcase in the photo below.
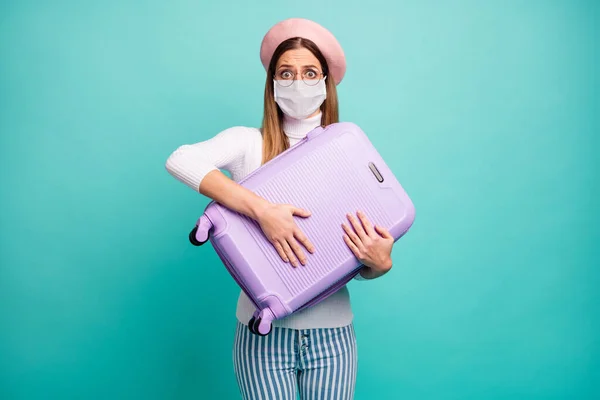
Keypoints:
(331, 172)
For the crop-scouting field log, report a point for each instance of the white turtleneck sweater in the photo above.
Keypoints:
(238, 150)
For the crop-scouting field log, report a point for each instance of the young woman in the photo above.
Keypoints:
(313, 351)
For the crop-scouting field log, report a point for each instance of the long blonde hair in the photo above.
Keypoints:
(274, 139)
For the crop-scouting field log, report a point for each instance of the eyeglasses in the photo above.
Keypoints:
(310, 77)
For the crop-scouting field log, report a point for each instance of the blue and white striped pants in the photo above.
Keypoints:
(319, 364)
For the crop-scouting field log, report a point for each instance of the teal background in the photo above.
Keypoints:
(486, 111)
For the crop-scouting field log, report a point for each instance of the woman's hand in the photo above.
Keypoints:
(277, 223)
(371, 245)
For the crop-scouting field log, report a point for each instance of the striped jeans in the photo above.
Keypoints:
(318, 364)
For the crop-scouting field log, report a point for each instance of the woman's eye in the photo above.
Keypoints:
(286, 75)
(310, 74)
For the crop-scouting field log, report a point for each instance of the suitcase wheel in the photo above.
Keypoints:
(258, 327)
(201, 230)
(193, 239)
(251, 324)
(263, 328)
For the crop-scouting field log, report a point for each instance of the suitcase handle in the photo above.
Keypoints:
(199, 235)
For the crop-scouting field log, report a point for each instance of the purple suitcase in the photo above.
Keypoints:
(331, 172)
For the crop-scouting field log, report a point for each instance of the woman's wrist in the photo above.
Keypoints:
(372, 272)
(386, 265)
(257, 206)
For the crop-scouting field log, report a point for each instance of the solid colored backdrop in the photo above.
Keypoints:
(486, 111)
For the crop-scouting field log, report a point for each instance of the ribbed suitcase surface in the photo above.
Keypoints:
(334, 171)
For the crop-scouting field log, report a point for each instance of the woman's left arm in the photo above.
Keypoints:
(372, 246)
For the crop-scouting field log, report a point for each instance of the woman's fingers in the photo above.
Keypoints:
(300, 212)
(298, 234)
(289, 252)
(358, 228)
(383, 232)
(281, 252)
(352, 246)
(352, 236)
(299, 254)
(366, 224)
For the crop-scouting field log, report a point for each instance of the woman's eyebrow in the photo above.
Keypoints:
(291, 66)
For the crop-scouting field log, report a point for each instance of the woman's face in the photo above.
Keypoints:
(298, 64)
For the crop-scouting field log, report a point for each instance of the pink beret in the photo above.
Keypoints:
(298, 27)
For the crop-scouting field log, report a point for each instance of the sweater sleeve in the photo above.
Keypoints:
(190, 163)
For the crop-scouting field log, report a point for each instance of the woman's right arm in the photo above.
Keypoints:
(275, 220)
(199, 166)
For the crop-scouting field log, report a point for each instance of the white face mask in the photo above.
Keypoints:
(300, 100)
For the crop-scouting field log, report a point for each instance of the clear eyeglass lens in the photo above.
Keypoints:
(287, 78)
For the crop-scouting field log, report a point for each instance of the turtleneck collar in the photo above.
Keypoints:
(298, 128)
